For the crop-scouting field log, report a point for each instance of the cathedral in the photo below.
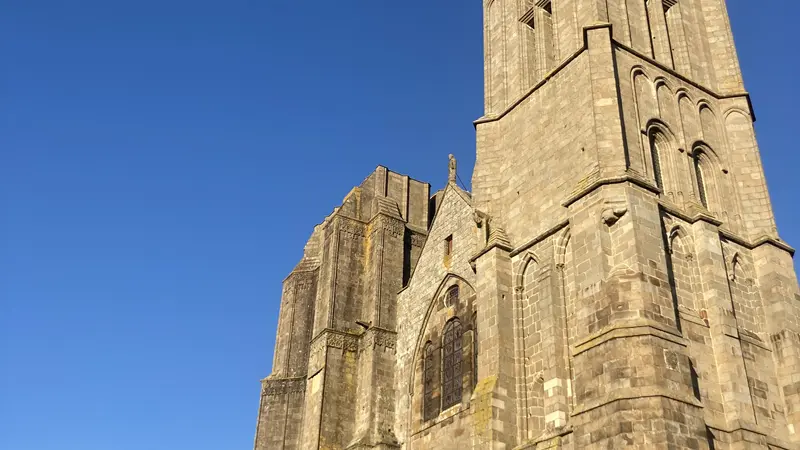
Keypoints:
(615, 279)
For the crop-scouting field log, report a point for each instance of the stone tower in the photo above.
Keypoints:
(614, 280)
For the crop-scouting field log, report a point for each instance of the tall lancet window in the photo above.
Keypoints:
(655, 155)
(701, 179)
(453, 371)
(430, 405)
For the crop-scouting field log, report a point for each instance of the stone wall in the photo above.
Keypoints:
(621, 282)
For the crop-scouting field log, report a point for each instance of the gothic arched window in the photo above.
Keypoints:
(655, 155)
(701, 181)
(452, 374)
(430, 405)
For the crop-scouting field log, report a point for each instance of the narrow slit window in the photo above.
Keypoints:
(701, 181)
(656, 157)
(448, 246)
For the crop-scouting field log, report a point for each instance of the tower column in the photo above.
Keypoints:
(777, 283)
(495, 419)
(633, 381)
(737, 404)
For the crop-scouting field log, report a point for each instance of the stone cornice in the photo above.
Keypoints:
(337, 339)
(635, 393)
(757, 242)
(738, 426)
(281, 386)
(701, 215)
(498, 245)
(373, 337)
(591, 186)
(378, 337)
(626, 329)
(546, 234)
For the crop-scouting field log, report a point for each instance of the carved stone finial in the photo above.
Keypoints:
(451, 173)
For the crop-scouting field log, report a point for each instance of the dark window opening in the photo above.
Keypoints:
(656, 157)
(452, 373)
(452, 296)
(701, 181)
(430, 404)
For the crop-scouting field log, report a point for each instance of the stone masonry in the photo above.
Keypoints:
(614, 280)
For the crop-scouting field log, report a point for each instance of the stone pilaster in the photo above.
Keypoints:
(495, 397)
(779, 291)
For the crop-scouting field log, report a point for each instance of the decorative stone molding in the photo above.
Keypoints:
(303, 282)
(350, 228)
(393, 226)
(418, 240)
(329, 338)
(497, 237)
(316, 356)
(347, 342)
(378, 337)
(628, 329)
(613, 211)
(282, 386)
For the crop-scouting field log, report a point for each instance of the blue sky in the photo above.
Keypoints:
(163, 164)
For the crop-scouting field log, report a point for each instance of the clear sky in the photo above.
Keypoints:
(163, 163)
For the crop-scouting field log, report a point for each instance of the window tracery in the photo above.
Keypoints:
(452, 373)
(430, 404)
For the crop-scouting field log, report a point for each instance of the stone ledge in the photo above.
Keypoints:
(546, 440)
(536, 87)
(744, 337)
(691, 316)
(377, 337)
(749, 427)
(282, 386)
(487, 249)
(329, 338)
(698, 215)
(541, 237)
(633, 328)
(590, 186)
(635, 394)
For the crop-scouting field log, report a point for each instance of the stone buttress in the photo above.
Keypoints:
(331, 385)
